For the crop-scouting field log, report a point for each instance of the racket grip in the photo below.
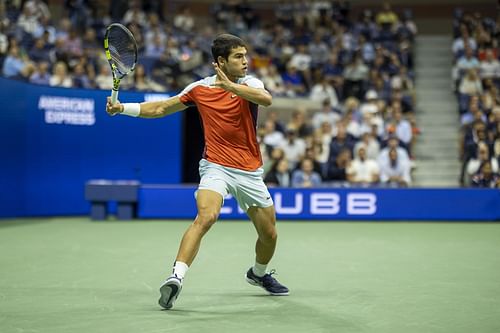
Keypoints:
(114, 96)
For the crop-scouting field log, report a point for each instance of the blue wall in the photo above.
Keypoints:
(52, 140)
(160, 201)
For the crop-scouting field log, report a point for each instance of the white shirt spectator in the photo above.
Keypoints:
(363, 171)
(323, 90)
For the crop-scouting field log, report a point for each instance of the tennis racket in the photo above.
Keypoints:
(121, 52)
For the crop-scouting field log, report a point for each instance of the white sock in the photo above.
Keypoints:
(259, 269)
(180, 269)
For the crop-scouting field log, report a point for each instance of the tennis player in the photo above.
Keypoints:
(231, 163)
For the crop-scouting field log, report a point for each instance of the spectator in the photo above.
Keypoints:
(322, 91)
(294, 82)
(300, 122)
(490, 67)
(356, 74)
(471, 84)
(294, 147)
(272, 137)
(104, 79)
(370, 144)
(14, 62)
(326, 114)
(306, 176)
(41, 74)
(400, 127)
(483, 156)
(272, 80)
(393, 143)
(279, 175)
(393, 170)
(486, 177)
(362, 170)
(386, 18)
(337, 168)
(144, 83)
(60, 76)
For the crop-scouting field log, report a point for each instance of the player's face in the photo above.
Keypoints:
(236, 64)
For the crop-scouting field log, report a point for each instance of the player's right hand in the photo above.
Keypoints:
(113, 109)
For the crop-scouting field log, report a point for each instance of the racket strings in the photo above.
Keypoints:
(122, 50)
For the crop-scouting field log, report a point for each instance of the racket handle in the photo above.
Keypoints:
(114, 96)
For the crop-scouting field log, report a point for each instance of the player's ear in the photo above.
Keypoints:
(221, 61)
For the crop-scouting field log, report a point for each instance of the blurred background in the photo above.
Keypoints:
(398, 95)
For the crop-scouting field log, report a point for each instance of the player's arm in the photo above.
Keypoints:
(155, 109)
(258, 96)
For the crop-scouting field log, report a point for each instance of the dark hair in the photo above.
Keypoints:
(224, 43)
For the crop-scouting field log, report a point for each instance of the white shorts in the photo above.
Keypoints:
(247, 187)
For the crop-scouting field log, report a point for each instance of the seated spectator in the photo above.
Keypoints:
(300, 122)
(39, 51)
(483, 156)
(294, 147)
(341, 141)
(279, 174)
(393, 143)
(272, 137)
(104, 79)
(326, 114)
(462, 42)
(323, 90)
(490, 67)
(356, 74)
(144, 83)
(370, 144)
(362, 170)
(274, 155)
(400, 127)
(393, 170)
(386, 18)
(156, 49)
(301, 60)
(306, 176)
(337, 169)
(294, 82)
(471, 84)
(60, 76)
(272, 80)
(80, 77)
(14, 62)
(41, 74)
(486, 177)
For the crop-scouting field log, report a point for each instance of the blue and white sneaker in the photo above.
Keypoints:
(267, 282)
(170, 290)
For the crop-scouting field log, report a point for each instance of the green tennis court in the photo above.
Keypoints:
(75, 275)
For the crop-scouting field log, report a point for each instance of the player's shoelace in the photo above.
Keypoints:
(271, 284)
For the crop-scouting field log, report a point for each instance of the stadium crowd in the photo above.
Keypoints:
(359, 71)
(476, 75)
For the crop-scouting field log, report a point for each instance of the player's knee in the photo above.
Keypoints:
(269, 236)
(206, 219)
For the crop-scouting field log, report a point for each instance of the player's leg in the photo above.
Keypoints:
(264, 220)
(209, 204)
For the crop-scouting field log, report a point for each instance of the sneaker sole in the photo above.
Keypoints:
(169, 292)
(253, 283)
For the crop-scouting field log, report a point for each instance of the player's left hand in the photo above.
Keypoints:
(221, 80)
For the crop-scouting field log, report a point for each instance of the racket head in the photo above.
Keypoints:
(121, 50)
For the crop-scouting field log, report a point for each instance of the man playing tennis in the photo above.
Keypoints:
(231, 163)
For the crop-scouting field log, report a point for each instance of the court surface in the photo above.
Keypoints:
(74, 275)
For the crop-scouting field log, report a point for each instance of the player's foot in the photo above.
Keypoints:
(170, 290)
(267, 282)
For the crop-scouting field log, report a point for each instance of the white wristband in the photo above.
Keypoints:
(131, 109)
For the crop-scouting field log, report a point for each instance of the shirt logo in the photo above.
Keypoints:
(233, 96)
